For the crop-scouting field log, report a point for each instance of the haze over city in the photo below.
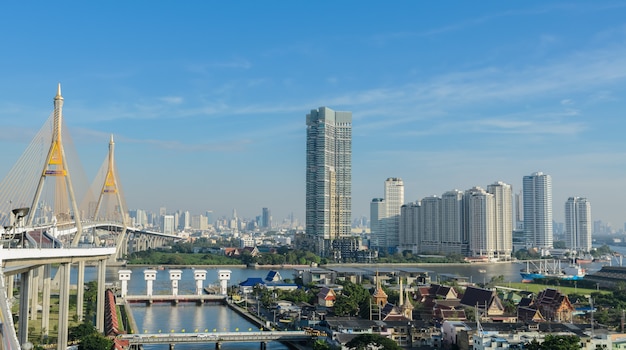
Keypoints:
(207, 100)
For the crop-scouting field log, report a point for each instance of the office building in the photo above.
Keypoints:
(578, 224)
(266, 218)
(537, 193)
(328, 179)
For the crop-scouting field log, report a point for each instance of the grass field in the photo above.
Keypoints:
(537, 287)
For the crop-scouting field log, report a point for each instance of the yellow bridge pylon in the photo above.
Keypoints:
(56, 167)
(110, 187)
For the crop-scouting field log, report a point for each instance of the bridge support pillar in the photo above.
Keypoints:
(218, 346)
(80, 290)
(25, 278)
(64, 305)
(263, 345)
(45, 304)
(172, 346)
(34, 293)
(102, 264)
(10, 282)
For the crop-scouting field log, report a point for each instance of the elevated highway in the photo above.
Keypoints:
(216, 337)
(24, 261)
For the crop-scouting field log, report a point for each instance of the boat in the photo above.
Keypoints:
(585, 259)
(540, 269)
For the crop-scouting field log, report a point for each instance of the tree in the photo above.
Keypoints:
(95, 342)
(556, 342)
(322, 345)
(345, 306)
(369, 340)
(82, 330)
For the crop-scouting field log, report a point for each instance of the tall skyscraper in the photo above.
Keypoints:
(328, 178)
(503, 218)
(480, 205)
(409, 227)
(578, 224)
(378, 212)
(430, 224)
(394, 199)
(452, 222)
(538, 210)
(266, 218)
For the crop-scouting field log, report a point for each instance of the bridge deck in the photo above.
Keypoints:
(217, 337)
(174, 298)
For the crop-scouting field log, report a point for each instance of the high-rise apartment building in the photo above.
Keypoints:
(378, 212)
(394, 199)
(452, 222)
(537, 193)
(578, 224)
(385, 216)
(167, 224)
(480, 206)
(503, 218)
(409, 227)
(328, 178)
(430, 224)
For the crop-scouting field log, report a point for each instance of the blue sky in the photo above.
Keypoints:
(207, 100)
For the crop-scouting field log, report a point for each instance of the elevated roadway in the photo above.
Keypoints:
(23, 261)
(216, 337)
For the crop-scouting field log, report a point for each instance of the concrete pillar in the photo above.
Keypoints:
(150, 277)
(102, 266)
(64, 305)
(80, 290)
(172, 346)
(224, 277)
(124, 277)
(45, 297)
(263, 345)
(34, 293)
(10, 285)
(22, 327)
(199, 276)
(218, 346)
(175, 276)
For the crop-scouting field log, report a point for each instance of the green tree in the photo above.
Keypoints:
(345, 306)
(82, 330)
(322, 345)
(556, 342)
(95, 342)
(370, 340)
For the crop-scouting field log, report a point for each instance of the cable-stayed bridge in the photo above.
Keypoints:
(49, 215)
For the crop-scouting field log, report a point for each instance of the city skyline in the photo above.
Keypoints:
(206, 102)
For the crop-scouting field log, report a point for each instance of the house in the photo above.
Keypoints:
(273, 276)
(314, 275)
(448, 310)
(529, 314)
(554, 305)
(247, 286)
(326, 297)
(436, 291)
(484, 299)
